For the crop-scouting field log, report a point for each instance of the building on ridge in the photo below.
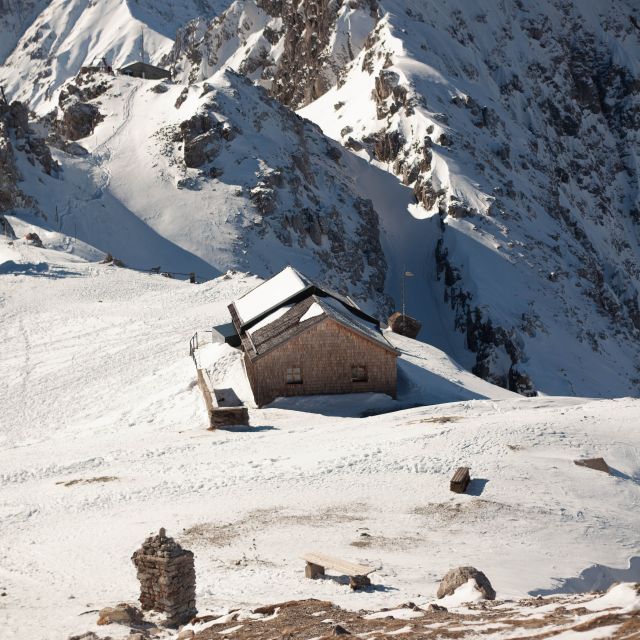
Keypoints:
(299, 339)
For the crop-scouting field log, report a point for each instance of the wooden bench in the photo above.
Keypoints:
(460, 480)
(318, 562)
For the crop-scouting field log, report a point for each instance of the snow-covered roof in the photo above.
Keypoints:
(279, 327)
(270, 294)
(268, 319)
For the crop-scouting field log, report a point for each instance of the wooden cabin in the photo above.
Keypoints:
(299, 339)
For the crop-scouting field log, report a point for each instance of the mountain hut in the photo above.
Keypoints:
(299, 339)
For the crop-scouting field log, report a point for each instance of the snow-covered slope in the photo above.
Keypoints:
(516, 128)
(513, 128)
(212, 177)
(15, 17)
(57, 37)
(104, 440)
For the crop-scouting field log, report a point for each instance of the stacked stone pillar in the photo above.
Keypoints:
(167, 578)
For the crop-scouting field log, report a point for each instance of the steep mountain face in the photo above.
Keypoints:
(298, 51)
(223, 177)
(519, 130)
(15, 17)
(44, 43)
(20, 144)
(513, 128)
(517, 127)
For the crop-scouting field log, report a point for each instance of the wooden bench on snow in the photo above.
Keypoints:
(318, 562)
(460, 480)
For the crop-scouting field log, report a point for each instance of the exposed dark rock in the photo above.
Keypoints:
(339, 630)
(404, 325)
(202, 136)
(353, 144)
(17, 136)
(7, 231)
(182, 97)
(109, 259)
(387, 85)
(87, 86)
(120, 614)
(459, 210)
(78, 119)
(33, 238)
(461, 575)
(264, 199)
(160, 87)
(302, 74)
(334, 153)
(388, 145)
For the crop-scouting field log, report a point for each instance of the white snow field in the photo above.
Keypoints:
(103, 440)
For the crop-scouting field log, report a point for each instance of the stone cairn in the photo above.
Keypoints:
(167, 578)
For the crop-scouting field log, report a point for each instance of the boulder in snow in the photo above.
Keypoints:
(121, 614)
(460, 575)
(404, 325)
(33, 238)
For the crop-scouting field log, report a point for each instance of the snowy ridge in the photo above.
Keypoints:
(225, 177)
(512, 128)
(68, 34)
(536, 192)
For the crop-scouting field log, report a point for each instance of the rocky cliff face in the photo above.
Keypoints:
(515, 127)
(297, 51)
(519, 130)
(18, 140)
(298, 195)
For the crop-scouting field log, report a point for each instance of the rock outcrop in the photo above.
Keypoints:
(297, 51)
(78, 119)
(18, 137)
(79, 115)
(120, 614)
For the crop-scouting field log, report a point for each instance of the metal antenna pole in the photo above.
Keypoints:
(404, 270)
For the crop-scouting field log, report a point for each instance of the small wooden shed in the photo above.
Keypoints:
(299, 339)
(145, 70)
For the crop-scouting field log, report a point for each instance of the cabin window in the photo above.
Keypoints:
(294, 375)
(359, 373)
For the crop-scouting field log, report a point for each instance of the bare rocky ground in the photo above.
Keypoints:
(596, 615)
(531, 618)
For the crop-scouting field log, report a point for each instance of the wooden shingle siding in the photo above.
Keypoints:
(325, 353)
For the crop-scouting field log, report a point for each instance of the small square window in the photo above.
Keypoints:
(359, 374)
(294, 375)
